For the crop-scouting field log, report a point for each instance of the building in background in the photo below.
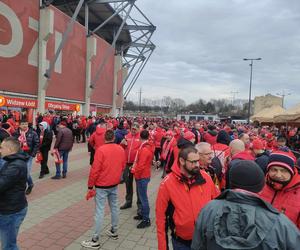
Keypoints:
(267, 101)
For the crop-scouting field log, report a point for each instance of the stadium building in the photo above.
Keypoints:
(80, 56)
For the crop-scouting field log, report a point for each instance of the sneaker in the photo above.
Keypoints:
(144, 224)
(90, 244)
(138, 217)
(112, 234)
(55, 177)
(64, 176)
(41, 176)
(29, 189)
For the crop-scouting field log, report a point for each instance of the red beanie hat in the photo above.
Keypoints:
(189, 135)
(257, 144)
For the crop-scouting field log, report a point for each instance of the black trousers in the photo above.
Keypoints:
(83, 135)
(44, 162)
(157, 154)
(128, 178)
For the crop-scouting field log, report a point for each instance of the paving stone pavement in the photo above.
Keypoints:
(59, 217)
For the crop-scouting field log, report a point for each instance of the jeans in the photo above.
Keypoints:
(142, 186)
(112, 195)
(9, 228)
(64, 155)
(29, 167)
(179, 246)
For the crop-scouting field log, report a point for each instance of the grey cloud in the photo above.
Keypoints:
(201, 44)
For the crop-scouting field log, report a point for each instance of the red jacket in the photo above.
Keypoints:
(158, 135)
(142, 167)
(287, 200)
(133, 144)
(244, 155)
(109, 162)
(97, 139)
(182, 202)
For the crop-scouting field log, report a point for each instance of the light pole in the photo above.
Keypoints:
(250, 87)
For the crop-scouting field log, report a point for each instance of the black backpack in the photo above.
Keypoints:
(217, 165)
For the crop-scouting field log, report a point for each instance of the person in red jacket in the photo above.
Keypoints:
(131, 143)
(104, 177)
(97, 139)
(282, 187)
(142, 172)
(181, 196)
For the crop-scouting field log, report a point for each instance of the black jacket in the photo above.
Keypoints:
(47, 140)
(262, 160)
(33, 141)
(13, 177)
(236, 220)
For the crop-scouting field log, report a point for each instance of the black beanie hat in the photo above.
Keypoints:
(223, 137)
(246, 175)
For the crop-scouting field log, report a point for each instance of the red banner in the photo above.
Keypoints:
(61, 106)
(17, 102)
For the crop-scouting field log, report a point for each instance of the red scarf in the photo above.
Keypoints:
(166, 148)
(23, 141)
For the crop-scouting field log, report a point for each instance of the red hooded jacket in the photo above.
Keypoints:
(181, 202)
(108, 165)
(287, 200)
(97, 139)
(142, 166)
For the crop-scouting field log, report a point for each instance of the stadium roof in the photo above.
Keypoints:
(98, 13)
(121, 23)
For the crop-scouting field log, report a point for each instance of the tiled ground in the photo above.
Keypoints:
(59, 217)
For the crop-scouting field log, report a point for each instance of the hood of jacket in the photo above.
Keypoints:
(18, 156)
(238, 223)
(150, 146)
(244, 155)
(100, 131)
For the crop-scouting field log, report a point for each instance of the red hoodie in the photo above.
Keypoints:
(181, 202)
(142, 166)
(97, 139)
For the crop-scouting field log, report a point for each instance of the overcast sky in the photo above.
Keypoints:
(201, 45)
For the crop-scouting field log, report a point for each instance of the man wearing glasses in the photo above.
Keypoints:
(131, 143)
(181, 196)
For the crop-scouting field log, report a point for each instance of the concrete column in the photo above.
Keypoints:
(124, 75)
(91, 51)
(118, 65)
(45, 31)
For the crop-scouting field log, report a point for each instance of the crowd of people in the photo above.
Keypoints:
(224, 186)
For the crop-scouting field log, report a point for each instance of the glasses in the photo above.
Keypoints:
(193, 162)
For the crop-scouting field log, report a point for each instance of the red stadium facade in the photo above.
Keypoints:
(72, 56)
(19, 61)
